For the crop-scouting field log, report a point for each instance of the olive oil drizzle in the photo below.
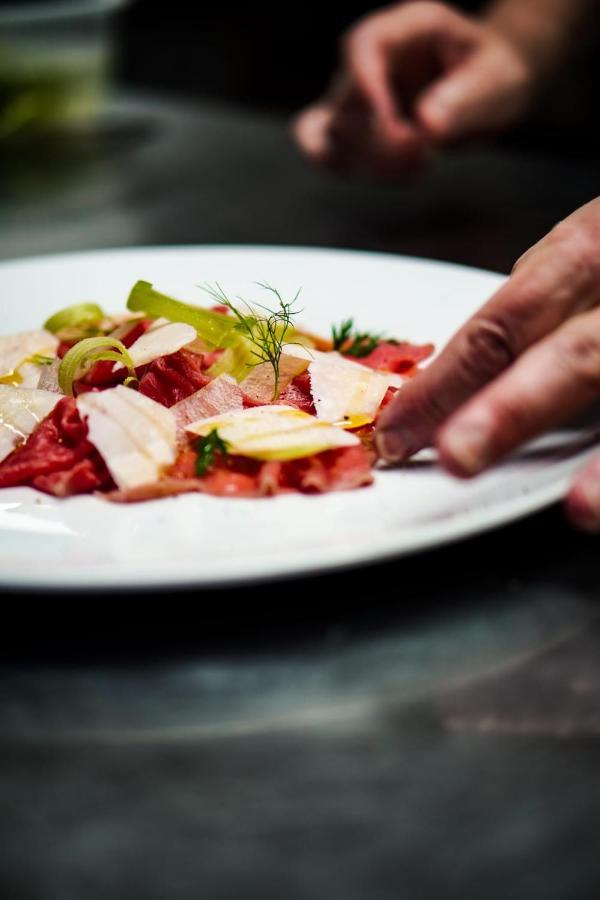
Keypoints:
(14, 377)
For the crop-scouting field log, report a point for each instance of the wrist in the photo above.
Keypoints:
(540, 31)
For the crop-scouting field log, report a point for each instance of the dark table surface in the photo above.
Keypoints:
(420, 729)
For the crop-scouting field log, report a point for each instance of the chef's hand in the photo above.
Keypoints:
(526, 362)
(415, 76)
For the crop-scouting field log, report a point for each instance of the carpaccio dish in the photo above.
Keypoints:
(231, 399)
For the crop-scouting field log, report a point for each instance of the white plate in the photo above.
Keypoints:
(198, 540)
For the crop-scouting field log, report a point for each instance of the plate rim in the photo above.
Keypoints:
(277, 248)
(436, 537)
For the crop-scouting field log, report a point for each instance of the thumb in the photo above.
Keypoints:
(463, 102)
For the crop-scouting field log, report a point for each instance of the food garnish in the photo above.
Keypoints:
(21, 411)
(80, 315)
(208, 447)
(172, 397)
(134, 435)
(265, 335)
(214, 328)
(21, 356)
(274, 432)
(353, 343)
(88, 351)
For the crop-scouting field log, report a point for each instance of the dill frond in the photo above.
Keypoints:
(263, 327)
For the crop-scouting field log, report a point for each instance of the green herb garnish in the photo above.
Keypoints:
(362, 344)
(353, 343)
(207, 448)
(342, 334)
(265, 334)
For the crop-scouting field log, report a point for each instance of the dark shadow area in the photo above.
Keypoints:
(281, 58)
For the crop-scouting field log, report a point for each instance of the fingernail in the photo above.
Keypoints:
(465, 449)
(396, 444)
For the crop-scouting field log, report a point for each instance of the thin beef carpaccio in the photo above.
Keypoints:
(63, 454)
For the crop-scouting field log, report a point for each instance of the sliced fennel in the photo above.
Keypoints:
(248, 338)
(236, 361)
(274, 432)
(85, 353)
(214, 328)
(76, 321)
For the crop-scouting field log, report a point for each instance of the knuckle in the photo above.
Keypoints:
(429, 11)
(578, 348)
(486, 348)
(375, 27)
(365, 31)
(428, 407)
(508, 421)
(578, 246)
(347, 43)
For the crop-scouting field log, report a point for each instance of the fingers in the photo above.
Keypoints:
(366, 126)
(349, 138)
(551, 381)
(583, 501)
(365, 59)
(424, 75)
(389, 58)
(487, 90)
(559, 280)
(311, 130)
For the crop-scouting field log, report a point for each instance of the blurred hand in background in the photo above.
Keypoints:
(417, 76)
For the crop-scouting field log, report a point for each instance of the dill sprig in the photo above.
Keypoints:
(351, 342)
(208, 447)
(265, 333)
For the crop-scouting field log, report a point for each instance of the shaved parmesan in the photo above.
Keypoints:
(343, 390)
(161, 341)
(15, 353)
(259, 385)
(274, 432)
(134, 435)
(220, 395)
(49, 377)
(21, 411)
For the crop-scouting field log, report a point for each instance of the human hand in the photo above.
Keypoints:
(525, 362)
(413, 77)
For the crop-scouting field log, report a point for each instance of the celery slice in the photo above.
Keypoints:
(74, 316)
(214, 328)
(88, 351)
(235, 361)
